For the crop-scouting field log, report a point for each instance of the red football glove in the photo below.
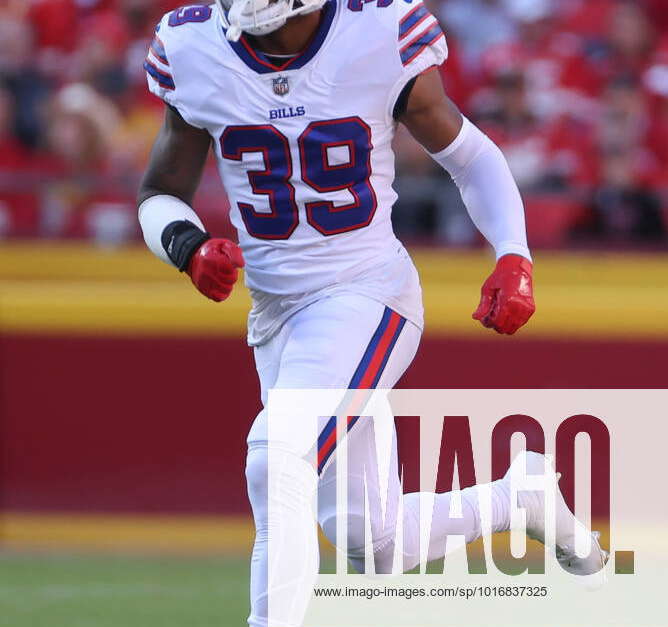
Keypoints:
(506, 302)
(214, 268)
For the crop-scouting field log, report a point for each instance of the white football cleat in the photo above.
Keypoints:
(567, 526)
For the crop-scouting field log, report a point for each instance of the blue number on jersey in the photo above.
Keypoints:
(185, 15)
(358, 5)
(273, 181)
(353, 175)
(354, 136)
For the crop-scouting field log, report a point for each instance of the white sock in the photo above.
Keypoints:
(283, 571)
(468, 525)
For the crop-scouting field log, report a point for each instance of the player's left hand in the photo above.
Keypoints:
(214, 268)
(506, 302)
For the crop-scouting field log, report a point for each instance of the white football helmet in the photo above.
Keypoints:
(260, 17)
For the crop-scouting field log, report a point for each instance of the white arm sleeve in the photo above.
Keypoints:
(156, 213)
(488, 189)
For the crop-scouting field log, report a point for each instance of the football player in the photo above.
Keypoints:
(299, 101)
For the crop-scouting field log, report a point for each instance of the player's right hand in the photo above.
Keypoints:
(214, 268)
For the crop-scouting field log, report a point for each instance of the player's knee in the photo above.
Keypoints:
(279, 477)
(257, 470)
(357, 527)
(356, 535)
(354, 531)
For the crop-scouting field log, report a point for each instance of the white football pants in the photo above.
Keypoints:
(345, 341)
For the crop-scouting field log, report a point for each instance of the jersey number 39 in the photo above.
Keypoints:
(352, 135)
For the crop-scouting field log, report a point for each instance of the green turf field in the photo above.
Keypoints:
(86, 591)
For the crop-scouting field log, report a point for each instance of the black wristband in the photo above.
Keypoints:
(180, 240)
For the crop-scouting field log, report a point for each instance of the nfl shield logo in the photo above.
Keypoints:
(281, 85)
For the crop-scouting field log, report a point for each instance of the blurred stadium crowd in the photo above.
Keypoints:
(574, 91)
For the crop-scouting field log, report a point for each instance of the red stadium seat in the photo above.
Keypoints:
(550, 219)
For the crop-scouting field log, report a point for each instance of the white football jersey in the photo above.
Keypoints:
(304, 149)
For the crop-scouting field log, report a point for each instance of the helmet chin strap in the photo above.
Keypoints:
(261, 17)
(233, 33)
(256, 21)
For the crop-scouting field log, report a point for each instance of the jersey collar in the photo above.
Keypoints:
(259, 62)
